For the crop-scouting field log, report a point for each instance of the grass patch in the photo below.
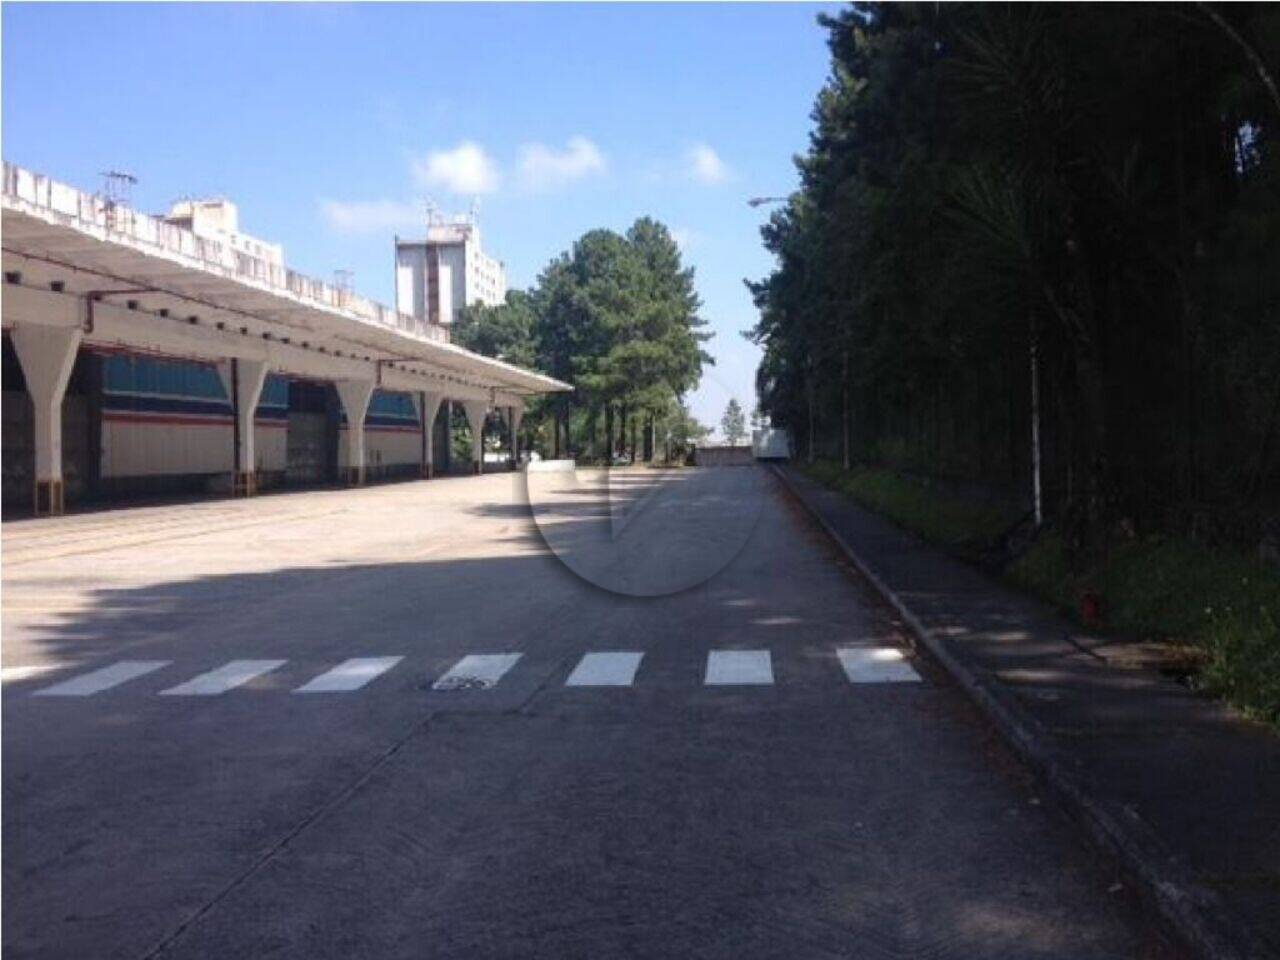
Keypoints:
(1244, 662)
(1043, 571)
(1225, 605)
(919, 505)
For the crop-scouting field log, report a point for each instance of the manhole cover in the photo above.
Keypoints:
(449, 684)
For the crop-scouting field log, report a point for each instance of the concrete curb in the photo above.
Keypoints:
(1194, 914)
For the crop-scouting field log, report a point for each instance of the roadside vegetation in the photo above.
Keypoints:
(1050, 216)
(1224, 606)
(921, 505)
(1035, 249)
(733, 425)
(617, 317)
(1220, 608)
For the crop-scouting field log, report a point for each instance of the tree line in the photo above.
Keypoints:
(617, 317)
(1038, 247)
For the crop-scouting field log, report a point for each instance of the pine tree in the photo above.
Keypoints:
(733, 425)
(617, 317)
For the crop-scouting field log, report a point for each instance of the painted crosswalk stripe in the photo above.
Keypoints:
(28, 672)
(876, 665)
(614, 669)
(227, 677)
(731, 667)
(350, 675)
(476, 671)
(104, 679)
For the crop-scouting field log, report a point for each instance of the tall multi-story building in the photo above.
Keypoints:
(438, 276)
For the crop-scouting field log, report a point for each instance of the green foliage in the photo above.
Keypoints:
(1044, 571)
(1102, 182)
(1244, 661)
(684, 432)
(460, 446)
(617, 317)
(1164, 589)
(919, 505)
(505, 332)
(733, 424)
(1157, 588)
(1170, 588)
(1225, 604)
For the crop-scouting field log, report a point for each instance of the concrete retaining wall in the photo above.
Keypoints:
(740, 456)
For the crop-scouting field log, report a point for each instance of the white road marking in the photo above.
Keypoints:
(876, 665)
(476, 671)
(350, 675)
(103, 679)
(729, 667)
(27, 672)
(225, 678)
(616, 669)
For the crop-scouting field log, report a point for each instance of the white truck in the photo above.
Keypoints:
(771, 443)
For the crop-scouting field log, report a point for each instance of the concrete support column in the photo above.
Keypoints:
(47, 355)
(430, 407)
(247, 379)
(477, 410)
(514, 416)
(355, 395)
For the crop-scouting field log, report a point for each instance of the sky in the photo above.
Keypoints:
(331, 126)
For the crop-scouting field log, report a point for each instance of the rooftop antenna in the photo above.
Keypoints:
(117, 190)
(117, 187)
(342, 283)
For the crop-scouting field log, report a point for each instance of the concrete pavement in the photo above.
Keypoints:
(793, 813)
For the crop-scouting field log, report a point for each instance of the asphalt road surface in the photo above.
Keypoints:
(646, 716)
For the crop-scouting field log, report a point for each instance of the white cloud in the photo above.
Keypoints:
(370, 216)
(544, 168)
(705, 165)
(464, 169)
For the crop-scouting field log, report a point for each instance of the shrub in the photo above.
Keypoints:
(1157, 588)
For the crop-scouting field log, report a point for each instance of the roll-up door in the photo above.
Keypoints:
(311, 451)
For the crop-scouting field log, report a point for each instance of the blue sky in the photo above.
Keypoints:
(331, 125)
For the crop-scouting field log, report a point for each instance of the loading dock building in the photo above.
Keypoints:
(159, 354)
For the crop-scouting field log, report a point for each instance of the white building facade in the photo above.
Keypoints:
(438, 276)
(164, 354)
(219, 220)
